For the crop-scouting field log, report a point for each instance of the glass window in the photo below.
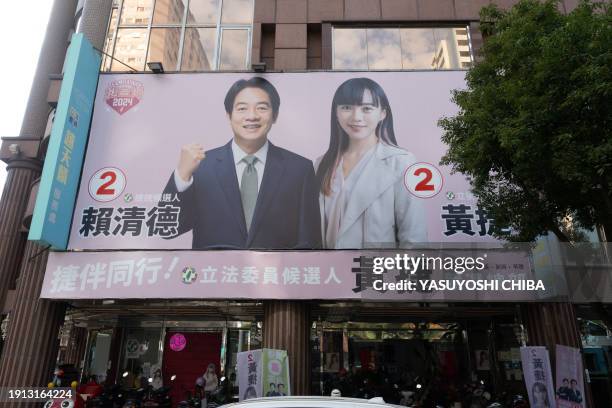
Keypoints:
(130, 48)
(169, 11)
(199, 49)
(418, 48)
(350, 49)
(99, 353)
(238, 341)
(164, 46)
(384, 51)
(136, 12)
(203, 12)
(233, 52)
(140, 355)
(237, 12)
(446, 40)
(401, 48)
(186, 35)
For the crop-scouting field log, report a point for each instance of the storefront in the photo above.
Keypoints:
(171, 344)
(438, 352)
(136, 310)
(362, 349)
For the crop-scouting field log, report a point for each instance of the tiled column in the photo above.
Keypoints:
(21, 154)
(548, 324)
(31, 346)
(30, 352)
(94, 21)
(286, 326)
(23, 167)
(21, 172)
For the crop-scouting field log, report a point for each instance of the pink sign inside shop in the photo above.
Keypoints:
(178, 342)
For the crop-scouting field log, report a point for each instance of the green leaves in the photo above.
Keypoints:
(533, 130)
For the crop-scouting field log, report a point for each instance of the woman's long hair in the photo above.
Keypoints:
(541, 388)
(351, 93)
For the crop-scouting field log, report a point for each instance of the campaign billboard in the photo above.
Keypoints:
(62, 169)
(332, 160)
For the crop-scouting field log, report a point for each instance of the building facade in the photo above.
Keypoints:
(442, 345)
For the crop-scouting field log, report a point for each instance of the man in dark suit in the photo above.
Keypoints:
(248, 193)
(574, 393)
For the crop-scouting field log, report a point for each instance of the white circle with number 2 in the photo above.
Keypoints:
(106, 184)
(424, 180)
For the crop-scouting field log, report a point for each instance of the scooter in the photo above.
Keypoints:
(163, 398)
(518, 401)
(156, 398)
(134, 398)
(111, 397)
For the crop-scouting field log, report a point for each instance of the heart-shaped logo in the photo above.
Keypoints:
(123, 94)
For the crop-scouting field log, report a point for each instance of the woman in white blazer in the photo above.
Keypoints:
(363, 200)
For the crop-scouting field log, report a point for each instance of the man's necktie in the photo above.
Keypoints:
(248, 189)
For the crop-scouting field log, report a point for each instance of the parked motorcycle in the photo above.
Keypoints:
(111, 397)
(134, 398)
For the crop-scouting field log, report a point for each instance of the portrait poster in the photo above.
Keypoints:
(570, 383)
(129, 197)
(482, 360)
(538, 377)
(263, 373)
(275, 368)
(332, 362)
(249, 374)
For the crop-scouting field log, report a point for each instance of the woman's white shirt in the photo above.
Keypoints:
(377, 210)
(335, 204)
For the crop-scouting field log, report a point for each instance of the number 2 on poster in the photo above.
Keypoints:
(423, 180)
(107, 184)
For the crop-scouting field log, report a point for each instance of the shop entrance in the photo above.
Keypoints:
(187, 356)
(408, 353)
(368, 359)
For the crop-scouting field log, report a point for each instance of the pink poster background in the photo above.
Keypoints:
(173, 110)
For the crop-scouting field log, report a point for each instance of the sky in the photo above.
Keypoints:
(20, 42)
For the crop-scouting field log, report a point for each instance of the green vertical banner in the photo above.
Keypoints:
(275, 376)
(65, 153)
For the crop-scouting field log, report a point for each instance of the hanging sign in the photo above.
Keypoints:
(178, 342)
(538, 377)
(570, 384)
(263, 373)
